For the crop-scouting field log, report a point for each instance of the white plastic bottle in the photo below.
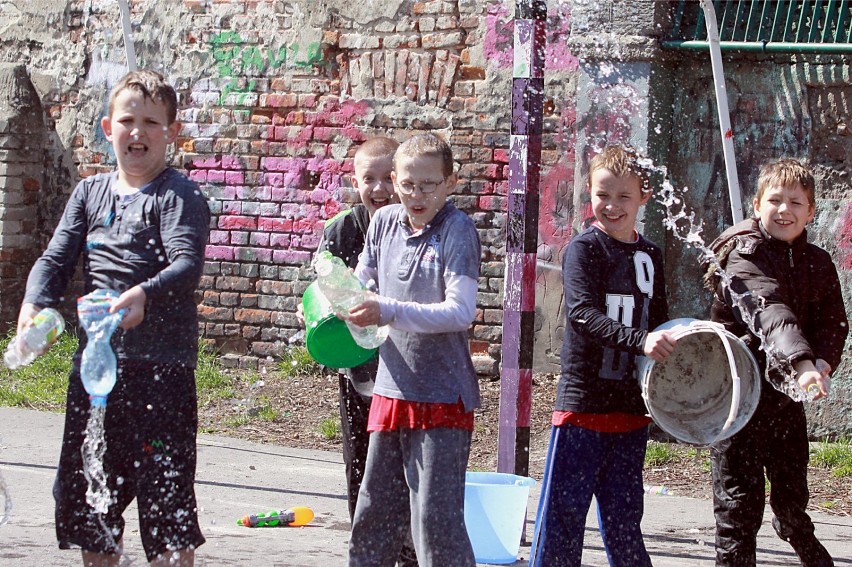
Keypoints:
(344, 291)
(47, 325)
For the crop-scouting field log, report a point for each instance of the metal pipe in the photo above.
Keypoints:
(724, 115)
(128, 35)
(763, 46)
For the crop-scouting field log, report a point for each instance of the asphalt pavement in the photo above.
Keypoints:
(236, 478)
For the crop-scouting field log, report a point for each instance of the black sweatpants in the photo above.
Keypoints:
(775, 440)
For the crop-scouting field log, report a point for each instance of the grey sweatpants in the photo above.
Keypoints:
(414, 477)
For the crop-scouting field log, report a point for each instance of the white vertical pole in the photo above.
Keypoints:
(724, 114)
(128, 35)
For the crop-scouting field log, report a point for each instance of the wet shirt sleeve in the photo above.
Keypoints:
(51, 273)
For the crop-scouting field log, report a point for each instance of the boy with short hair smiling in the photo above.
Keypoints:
(425, 256)
(142, 231)
(803, 317)
(614, 293)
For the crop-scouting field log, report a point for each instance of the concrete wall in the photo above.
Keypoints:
(780, 106)
(276, 95)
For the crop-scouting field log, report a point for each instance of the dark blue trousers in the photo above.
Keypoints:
(582, 463)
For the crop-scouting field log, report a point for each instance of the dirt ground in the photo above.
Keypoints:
(301, 411)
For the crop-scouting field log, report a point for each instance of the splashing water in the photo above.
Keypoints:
(93, 449)
(684, 226)
(94, 446)
(7, 501)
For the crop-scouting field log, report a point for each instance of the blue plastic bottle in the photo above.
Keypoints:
(98, 364)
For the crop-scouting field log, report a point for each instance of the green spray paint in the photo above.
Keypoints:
(236, 59)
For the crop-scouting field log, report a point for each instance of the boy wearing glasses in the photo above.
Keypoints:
(424, 254)
(343, 235)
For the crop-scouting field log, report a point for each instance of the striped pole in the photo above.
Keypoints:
(521, 237)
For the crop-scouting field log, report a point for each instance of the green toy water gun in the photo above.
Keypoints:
(297, 516)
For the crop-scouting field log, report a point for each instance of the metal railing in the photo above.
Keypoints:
(776, 26)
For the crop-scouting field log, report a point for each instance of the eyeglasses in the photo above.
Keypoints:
(426, 187)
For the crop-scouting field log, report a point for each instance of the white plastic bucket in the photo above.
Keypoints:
(707, 389)
(495, 512)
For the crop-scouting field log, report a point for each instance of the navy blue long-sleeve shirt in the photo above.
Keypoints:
(154, 238)
(614, 294)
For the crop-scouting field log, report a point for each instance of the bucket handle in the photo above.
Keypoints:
(735, 390)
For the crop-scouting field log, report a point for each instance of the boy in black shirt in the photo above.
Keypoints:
(142, 230)
(614, 293)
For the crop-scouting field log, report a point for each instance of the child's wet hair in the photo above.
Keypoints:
(150, 85)
(428, 144)
(621, 161)
(785, 172)
(378, 147)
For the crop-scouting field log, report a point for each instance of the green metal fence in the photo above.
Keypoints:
(778, 26)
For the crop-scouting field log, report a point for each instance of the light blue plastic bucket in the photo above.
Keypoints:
(495, 512)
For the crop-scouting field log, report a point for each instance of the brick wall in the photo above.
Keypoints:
(21, 177)
(274, 99)
(271, 140)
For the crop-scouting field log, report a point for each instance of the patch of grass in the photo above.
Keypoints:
(834, 456)
(43, 384)
(330, 428)
(297, 362)
(264, 410)
(658, 454)
(238, 420)
(212, 381)
(701, 456)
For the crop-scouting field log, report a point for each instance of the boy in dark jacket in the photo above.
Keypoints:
(141, 231)
(803, 318)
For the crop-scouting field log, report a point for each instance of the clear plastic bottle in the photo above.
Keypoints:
(98, 365)
(344, 291)
(47, 325)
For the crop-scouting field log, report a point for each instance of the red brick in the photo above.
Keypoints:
(251, 316)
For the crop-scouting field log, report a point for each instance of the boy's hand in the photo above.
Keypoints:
(300, 313)
(366, 313)
(134, 301)
(25, 317)
(659, 345)
(813, 378)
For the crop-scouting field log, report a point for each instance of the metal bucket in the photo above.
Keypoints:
(707, 389)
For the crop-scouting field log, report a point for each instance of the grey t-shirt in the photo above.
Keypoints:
(154, 238)
(423, 367)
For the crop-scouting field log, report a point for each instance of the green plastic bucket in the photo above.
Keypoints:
(327, 338)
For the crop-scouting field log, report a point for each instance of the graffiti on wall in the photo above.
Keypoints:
(499, 27)
(236, 58)
(269, 208)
